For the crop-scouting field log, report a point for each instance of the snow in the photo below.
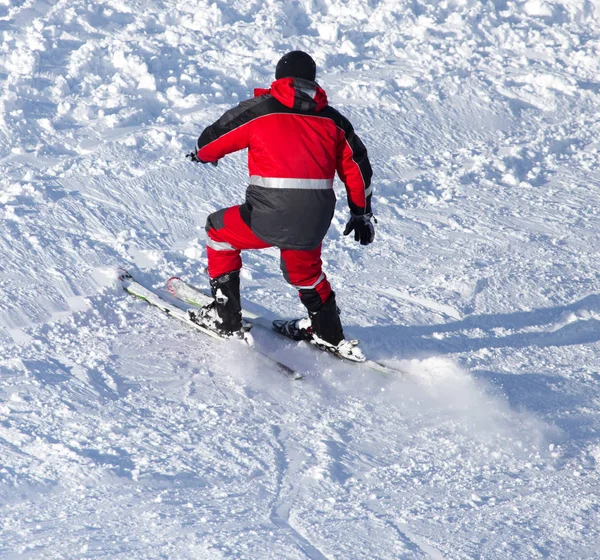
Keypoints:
(123, 434)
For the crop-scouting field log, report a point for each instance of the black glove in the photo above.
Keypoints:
(364, 231)
(194, 157)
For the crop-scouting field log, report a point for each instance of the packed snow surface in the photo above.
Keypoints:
(124, 434)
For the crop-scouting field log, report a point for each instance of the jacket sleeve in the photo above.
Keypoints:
(229, 134)
(354, 168)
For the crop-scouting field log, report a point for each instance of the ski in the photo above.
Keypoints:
(198, 297)
(136, 288)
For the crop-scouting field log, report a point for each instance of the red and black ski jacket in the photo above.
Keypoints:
(296, 142)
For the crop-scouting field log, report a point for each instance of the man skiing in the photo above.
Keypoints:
(296, 142)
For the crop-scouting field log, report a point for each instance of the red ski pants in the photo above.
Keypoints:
(228, 235)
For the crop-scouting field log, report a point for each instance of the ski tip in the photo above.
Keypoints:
(170, 283)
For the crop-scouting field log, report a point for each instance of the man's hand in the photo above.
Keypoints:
(364, 231)
(194, 157)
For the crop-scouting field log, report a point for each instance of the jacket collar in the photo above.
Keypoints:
(297, 93)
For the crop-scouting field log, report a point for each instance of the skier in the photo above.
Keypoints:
(296, 142)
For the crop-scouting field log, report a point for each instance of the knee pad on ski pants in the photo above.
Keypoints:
(216, 220)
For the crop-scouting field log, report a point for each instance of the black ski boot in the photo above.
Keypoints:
(326, 323)
(296, 329)
(323, 322)
(323, 328)
(224, 314)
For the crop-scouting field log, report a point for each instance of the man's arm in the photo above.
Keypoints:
(354, 169)
(228, 134)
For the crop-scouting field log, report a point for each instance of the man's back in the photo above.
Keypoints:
(295, 142)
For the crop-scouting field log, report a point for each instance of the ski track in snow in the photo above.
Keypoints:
(125, 435)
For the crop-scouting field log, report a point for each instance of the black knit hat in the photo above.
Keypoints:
(296, 64)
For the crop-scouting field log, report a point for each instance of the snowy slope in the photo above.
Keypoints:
(125, 435)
